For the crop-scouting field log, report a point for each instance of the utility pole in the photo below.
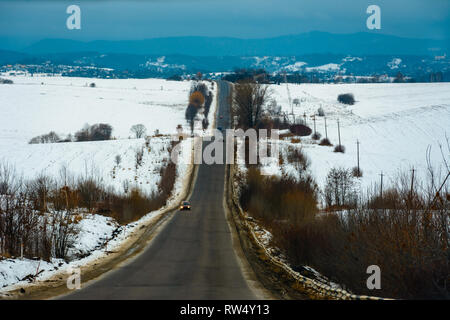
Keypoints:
(289, 94)
(326, 133)
(412, 182)
(357, 152)
(339, 132)
(381, 187)
(314, 120)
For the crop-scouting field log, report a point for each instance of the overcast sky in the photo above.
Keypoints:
(101, 19)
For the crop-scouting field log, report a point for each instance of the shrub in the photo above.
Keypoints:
(339, 148)
(325, 142)
(346, 98)
(275, 199)
(297, 156)
(316, 136)
(300, 130)
(320, 112)
(100, 131)
(51, 137)
(270, 123)
(83, 134)
(90, 191)
(357, 172)
(96, 132)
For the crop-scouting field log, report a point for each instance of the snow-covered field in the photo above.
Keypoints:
(96, 159)
(34, 106)
(37, 105)
(395, 123)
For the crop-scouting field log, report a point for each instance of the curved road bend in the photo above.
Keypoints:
(192, 257)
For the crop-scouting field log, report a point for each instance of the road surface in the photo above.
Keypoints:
(192, 257)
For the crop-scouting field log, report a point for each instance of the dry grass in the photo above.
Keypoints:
(43, 214)
(398, 233)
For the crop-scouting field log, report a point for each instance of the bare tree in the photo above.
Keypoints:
(191, 112)
(139, 155)
(139, 130)
(118, 159)
(249, 100)
(126, 186)
(340, 188)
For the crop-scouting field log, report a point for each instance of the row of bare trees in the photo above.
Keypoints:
(36, 219)
(200, 97)
(39, 217)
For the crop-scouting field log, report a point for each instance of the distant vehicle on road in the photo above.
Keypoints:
(219, 128)
(185, 205)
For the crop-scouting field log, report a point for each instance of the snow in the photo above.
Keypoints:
(29, 108)
(91, 158)
(64, 105)
(95, 232)
(324, 68)
(351, 59)
(161, 65)
(395, 124)
(297, 66)
(394, 63)
(12, 271)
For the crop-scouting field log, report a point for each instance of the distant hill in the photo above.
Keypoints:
(12, 57)
(301, 44)
(313, 52)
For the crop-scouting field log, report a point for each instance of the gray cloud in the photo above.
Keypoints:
(118, 19)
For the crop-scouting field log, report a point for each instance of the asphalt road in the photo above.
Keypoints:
(192, 257)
